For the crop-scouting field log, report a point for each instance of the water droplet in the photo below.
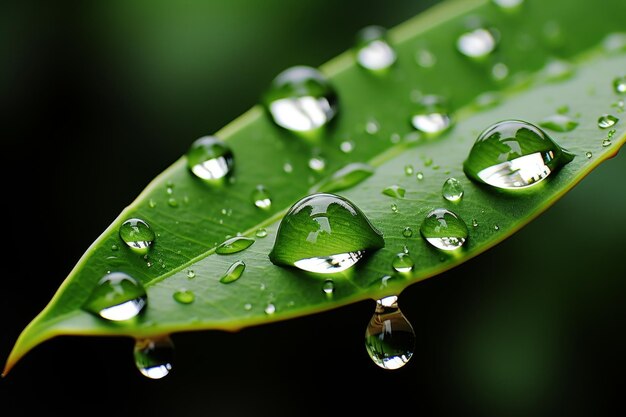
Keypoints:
(407, 232)
(154, 357)
(288, 168)
(328, 287)
(419, 176)
(373, 51)
(619, 85)
(270, 309)
(474, 223)
(233, 273)
(347, 146)
(372, 127)
(389, 338)
(408, 170)
(425, 58)
(514, 154)
(324, 233)
(499, 71)
(345, 178)
(184, 296)
(137, 235)
(606, 120)
(261, 233)
(117, 297)
(559, 123)
(234, 245)
(152, 203)
(210, 159)
(477, 43)
(394, 191)
(496, 227)
(452, 189)
(509, 5)
(606, 143)
(172, 202)
(261, 197)
(114, 248)
(191, 274)
(611, 133)
(317, 163)
(394, 207)
(444, 229)
(301, 99)
(588, 155)
(247, 306)
(431, 116)
(402, 263)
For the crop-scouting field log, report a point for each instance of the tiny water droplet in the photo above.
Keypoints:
(117, 297)
(137, 235)
(234, 245)
(372, 127)
(474, 223)
(288, 168)
(444, 229)
(172, 202)
(347, 146)
(317, 163)
(261, 197)
(210, 159)
(477, 43)
(152, 203)
(233, 273)
(403, 263)
(588, 155)
(394, 207)
(328, 287)
(452, 189)
(408, 170)
(247, 306)
(425, 58)
(419, 176)
(261, 233)
(154, 357)
(496, 227)
(389, 337)
(114, 248)
(318, 225)
(509, 5)
(499, 71)
(184, 296)
(191, 274)
(606, 143)
(373, 51)
(301, 99)
(606, 120)
(431, 116)
(270, 309)
(394, 191)
(559, 123)
(407, 232)
(514, 154)
(619, 85)
(428, 161)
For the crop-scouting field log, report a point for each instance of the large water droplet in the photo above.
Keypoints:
(233, 273)
(373, 51)
(261, 197)
(559, 123)
(514, 154)
(403, 263)
(452, 189)
(389, 338)
(444, 229)
(619, 85)
(394, 191)
(234, 245)
(324, 233)
(117, 297)
(137, 235)
(431, 116)
(477, 43)
(345, 178)
(154, 357)
(210, 159)
(301, 99)
(606, 120)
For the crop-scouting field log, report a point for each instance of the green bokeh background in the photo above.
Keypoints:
(99, 97)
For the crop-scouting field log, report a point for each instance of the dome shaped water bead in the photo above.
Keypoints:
(210, 159)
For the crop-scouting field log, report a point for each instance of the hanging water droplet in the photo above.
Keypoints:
(233, 273)
(425, 58)
(317, 163)
(184, 296)
(117, 297)
(514, 154)
(373, 51)
(234, 245)
(328, 287)
(270, 309)
(606, 120)
(403, 263)
(408, 170)
(394, 191)
(154, 357)
(559, 123)
(444, 229)
(261, 197)
(301, 99)
(606, 143)
(347, 146)
(407, 232)
(137, 235)
(394, 207)
(324, 233)
(431, 117)
(509, 5)
(452, 189)
(477, 43)
(619, 85)
(261, 233)
(346, 177)
(210, 159)
(389, 338)
(419, 176)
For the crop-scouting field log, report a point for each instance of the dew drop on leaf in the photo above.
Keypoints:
(210, 159)
(234, 245)
(117, 297)
(452, 190)
(233, 273)
(373, 51)
(444, 229)
(184, 296)
(137, 235)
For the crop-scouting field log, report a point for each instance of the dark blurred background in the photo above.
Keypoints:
(99, 97)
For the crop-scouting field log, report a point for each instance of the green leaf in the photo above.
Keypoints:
(191, 218)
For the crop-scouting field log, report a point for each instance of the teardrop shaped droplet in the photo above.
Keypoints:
(117, 297)
(261, 197)
(444, 229)
(403, 263)
(346, 177)
(234, 245)
(606, 120)
(513, 154)
(301, 99)
(477, 43)
(328, 287)
(619, 85)
(452, 189)
(233, 273)
(559, 123)
(373, 51)
(210, 159)
(137, 235)
(394, 191)
(389, 337)
(431, 116)
(184, 296)
(324, 233)
(154, 357)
